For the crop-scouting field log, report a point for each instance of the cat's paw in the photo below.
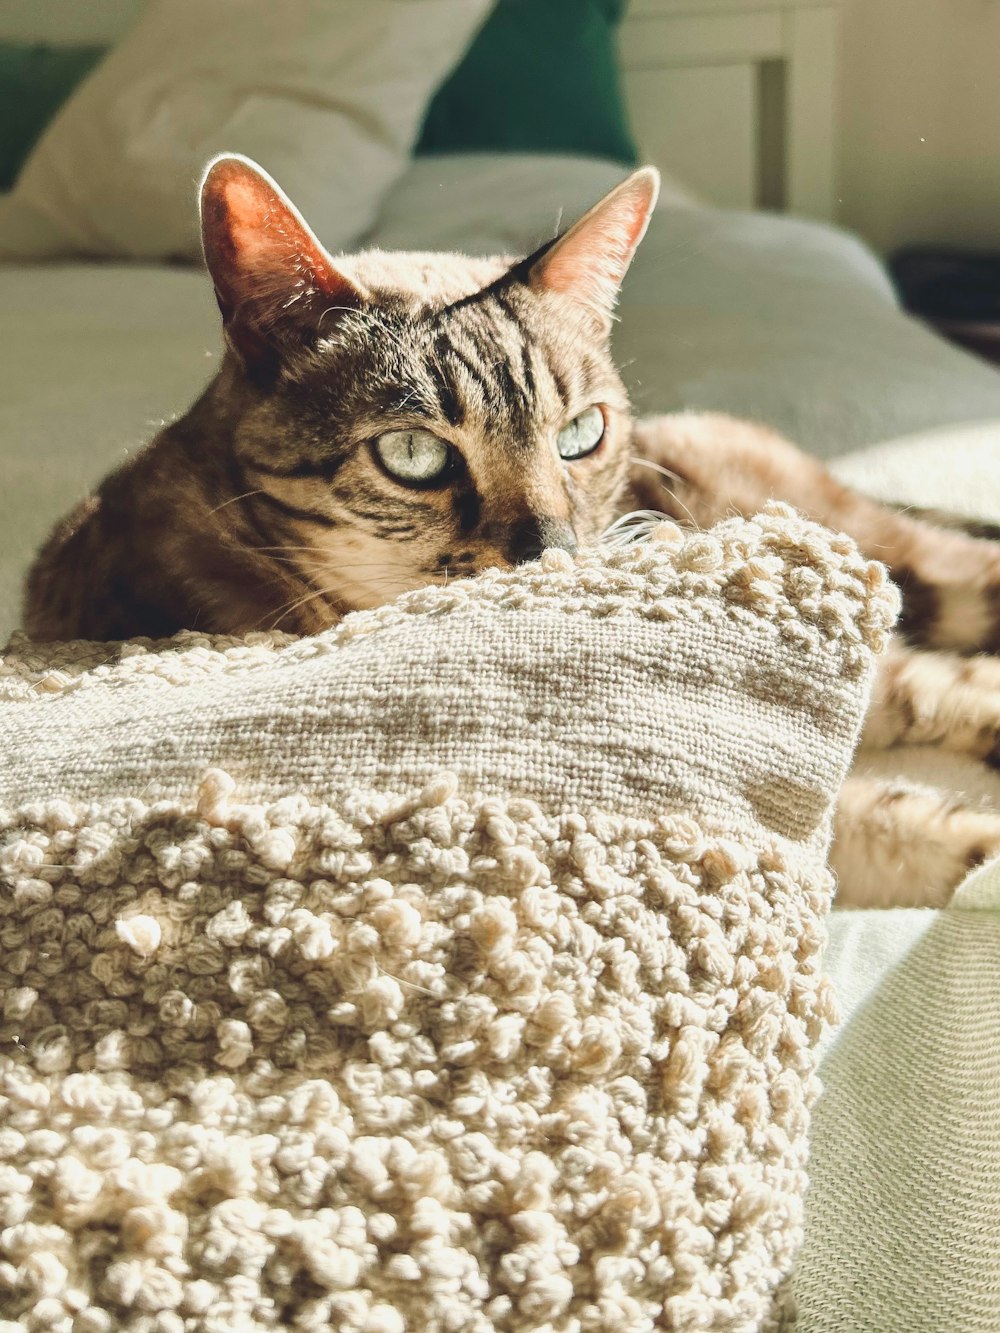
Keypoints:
(951, 592)
(982, 672)
(977, 696)
(928, 698)
(897, 844)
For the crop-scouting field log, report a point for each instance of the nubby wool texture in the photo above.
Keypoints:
(452, 971)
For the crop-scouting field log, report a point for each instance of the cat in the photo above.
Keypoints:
(383, 420)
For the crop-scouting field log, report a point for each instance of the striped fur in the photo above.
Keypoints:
(265, 506)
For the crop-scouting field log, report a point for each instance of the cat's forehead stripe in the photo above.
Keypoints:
(491, 361)
(559, 380)
(487, 337)
(449, 355)
(514, 372)
(449, 400)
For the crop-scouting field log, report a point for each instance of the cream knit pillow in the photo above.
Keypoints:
(452, 970)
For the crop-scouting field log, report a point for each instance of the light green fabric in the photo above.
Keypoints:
(903, 1215)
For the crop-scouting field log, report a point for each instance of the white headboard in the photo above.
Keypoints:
(734, 98)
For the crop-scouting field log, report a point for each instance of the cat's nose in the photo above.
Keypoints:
(534, 535)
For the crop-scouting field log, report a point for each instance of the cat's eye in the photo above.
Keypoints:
(582, 436)
(413, 456)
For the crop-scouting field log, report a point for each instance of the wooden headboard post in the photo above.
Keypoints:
(737, 98)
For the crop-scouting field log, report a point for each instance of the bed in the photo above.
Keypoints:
(784, 320)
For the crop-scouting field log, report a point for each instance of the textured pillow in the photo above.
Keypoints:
(903, 1217)
(328, 95)
(539, 78)
(35, 80)
(453, 969)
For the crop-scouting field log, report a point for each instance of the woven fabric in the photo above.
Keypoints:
(321, 1036)
(733, 695)
(903, 1218)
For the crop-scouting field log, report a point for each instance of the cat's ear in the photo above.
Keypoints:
(273, 280)
(588, 262)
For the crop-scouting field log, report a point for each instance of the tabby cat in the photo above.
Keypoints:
(386, 420)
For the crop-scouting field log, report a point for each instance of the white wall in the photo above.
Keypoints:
(919, 121)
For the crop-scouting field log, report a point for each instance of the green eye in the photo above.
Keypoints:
(582, 435)
(414, 456)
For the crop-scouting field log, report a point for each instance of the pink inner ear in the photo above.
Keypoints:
(254, 235)
(273, 279)
(251, 221)
(590, 261)
(268, 236)
(601, 252)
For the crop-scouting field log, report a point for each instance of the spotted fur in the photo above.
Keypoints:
(265, 505)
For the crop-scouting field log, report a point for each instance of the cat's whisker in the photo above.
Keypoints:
(632, 527)
(682, 251)
(372, 317)
(335, 310)
(304, 547)
(671, 476)
(656, 467)
(403, 982)
(274, 553)
(278, 615)
(233, 499)
(386, 583)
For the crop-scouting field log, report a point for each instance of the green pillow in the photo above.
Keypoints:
(35, 80)
(541, 77)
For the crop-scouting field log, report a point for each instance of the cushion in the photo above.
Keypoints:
(903, 1222)
(455, 968)
(328, 95)
(954, 467)
(540, 78)
(35, 80)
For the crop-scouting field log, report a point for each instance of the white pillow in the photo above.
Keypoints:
(328, 95)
